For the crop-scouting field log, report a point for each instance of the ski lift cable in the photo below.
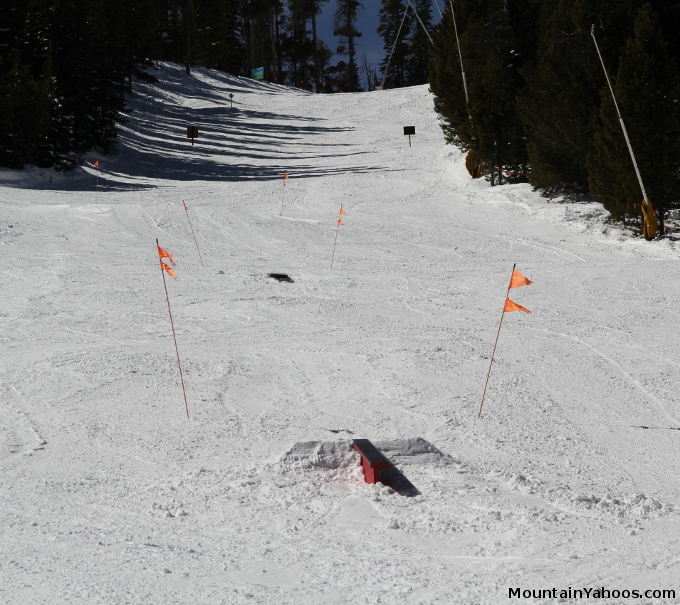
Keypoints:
(396, 39)
(427, 33)
(408, 4)
(460, 56)
(441, 16)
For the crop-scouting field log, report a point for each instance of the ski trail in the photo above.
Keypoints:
(557, 251)
(229, 235)
(660, 404)
(449, 250)
(21, 407)
(630, 378)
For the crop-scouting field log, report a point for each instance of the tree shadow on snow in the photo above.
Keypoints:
(233, 144)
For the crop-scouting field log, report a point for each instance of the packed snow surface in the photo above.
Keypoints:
(109, 494)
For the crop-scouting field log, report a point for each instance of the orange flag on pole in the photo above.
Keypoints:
(518, 280)
(285, 178)
(185, 205)
(513, 306)
(163, 254)
(170, 270)
(96, 163)
(336, 232)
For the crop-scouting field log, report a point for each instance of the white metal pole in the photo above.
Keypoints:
(460, 55)
(623, 126)
(439, 9)
(395, 46)
(427, 33)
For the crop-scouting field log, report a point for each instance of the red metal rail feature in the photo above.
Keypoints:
(371, 459)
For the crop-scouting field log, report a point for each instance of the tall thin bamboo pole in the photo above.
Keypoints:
(172, 325)
(496, 343)
(192, 233)
(337, 229)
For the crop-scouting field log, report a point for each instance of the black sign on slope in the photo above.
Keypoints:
(409, 130)
(192, 133)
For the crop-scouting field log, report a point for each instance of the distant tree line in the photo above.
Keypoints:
(538, 104)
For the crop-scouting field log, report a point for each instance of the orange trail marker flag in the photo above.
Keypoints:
(97, 165)
(285, 178)
(186, 208)
(170, 271)
(163, 254)
(517, 280)
(336, 233)
(166, 268)
(513, 306)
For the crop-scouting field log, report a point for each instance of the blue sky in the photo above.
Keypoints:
(370, 42)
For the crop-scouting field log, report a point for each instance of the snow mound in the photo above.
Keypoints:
(319, 454)
(413, 451)
(623, 507)
(340, 454)
(633, 506)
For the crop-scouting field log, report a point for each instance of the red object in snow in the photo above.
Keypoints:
(371, 459)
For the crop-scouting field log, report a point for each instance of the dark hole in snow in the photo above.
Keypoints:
(281, 277)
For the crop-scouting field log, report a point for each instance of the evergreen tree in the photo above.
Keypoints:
(67, 66)
(419, 47)
(324, 57)
(215, 43)
(300, 44)
(561, 100)
(493, 51)
(26, 108)
(27, 91)
(647, 89)
(447, 85)
(394, 21)
(310, 9)
(346, 15)
(90, 78)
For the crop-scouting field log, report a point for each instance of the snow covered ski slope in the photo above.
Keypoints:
(109, 494)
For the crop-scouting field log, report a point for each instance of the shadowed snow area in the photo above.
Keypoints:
(109, 494)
